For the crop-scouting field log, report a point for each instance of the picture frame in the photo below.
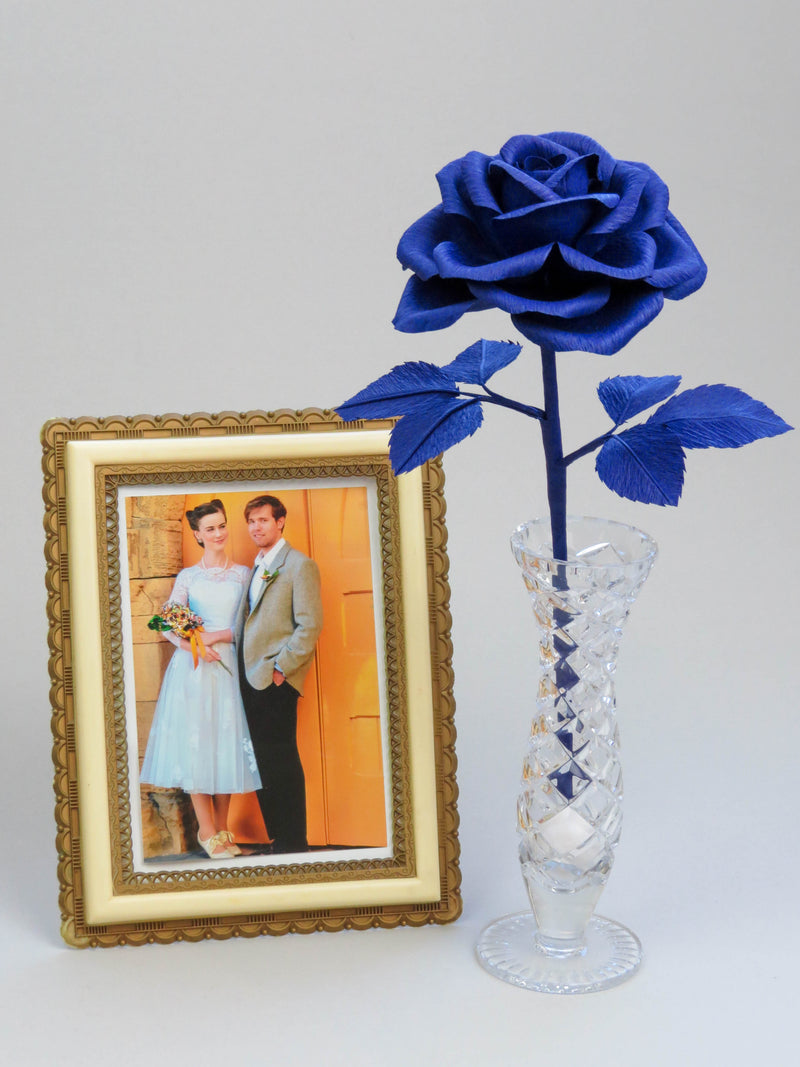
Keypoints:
(115, 490)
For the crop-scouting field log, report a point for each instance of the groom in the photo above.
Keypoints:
(279, 621)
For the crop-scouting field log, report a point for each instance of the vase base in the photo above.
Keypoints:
(507, 949)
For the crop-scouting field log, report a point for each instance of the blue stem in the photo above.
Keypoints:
(592, 446)
(514, 405)
(489, 397)
(554, 456)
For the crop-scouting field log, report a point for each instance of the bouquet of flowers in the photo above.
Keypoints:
(178, 619)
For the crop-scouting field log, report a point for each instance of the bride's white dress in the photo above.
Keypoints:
(199, 740)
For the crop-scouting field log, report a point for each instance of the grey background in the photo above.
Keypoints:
(201, 205)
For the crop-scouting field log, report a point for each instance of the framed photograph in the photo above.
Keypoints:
(251, 678)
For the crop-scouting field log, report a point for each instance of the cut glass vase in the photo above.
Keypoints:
(569, 809)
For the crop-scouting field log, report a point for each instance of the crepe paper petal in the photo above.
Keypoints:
(464, 185)
(653, 206)
(683, 270)
(538, 225)
(582, 145)
(481, 360)
(468, 261)
(433, 305)
(585, 303)
(528, 150)
(644, 198)
(574, 177)
(628, 395)
(533, 230)
(717, 416)
(415, 247)
(605, 332)
(403, 391)
(645, 463)
(607, 200)
(514, 188)
(436, 426)
(627, 256)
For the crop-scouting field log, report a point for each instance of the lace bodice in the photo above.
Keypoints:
(212, 593)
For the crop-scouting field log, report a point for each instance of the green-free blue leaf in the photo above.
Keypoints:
(481, 360)
(717, 416)
(644, 463)
(628, 395)
(400, 392)
(436, 425)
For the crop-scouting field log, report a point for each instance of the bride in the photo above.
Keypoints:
(199, 740)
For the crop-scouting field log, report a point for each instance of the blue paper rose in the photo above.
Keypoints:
(578, 247)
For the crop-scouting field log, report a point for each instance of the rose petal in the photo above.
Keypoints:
(432, 305)
(464, 185)
(575, 177)
(562, 220)
(579, 305)
(582, 145)
(514, 188)
(679, 267)
(628, 311)
(643, 200)
(469, 262)
(563, 207)
(517, 150)
(628, 256)
(579, 248)
(416, 245)
(653, 202)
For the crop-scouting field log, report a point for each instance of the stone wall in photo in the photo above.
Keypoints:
(155, 555)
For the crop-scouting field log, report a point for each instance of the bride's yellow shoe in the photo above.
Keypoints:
(212, 846)
(233, 848)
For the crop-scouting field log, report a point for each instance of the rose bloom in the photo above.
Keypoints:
(578, 247)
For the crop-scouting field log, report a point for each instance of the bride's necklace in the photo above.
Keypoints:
(224, 567)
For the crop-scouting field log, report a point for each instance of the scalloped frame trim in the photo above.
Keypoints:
(420, 884)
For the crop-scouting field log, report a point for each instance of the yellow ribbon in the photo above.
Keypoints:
(196, 642)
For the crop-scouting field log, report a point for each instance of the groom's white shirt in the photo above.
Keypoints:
(262, 563)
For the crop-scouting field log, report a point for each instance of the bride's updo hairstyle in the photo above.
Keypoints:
(194, 515)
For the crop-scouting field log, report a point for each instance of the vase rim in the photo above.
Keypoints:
(646, 545)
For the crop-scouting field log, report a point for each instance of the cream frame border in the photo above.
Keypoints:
(76, 495)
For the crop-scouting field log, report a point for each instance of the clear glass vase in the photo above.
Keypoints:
(569, 809)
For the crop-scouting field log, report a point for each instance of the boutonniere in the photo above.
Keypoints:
(268, 577)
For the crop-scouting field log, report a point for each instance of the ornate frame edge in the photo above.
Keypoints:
(74, 929)
(108, 479)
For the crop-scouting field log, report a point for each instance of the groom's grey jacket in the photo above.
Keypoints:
(282, 629)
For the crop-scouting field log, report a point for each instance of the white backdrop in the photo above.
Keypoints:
(201, 206)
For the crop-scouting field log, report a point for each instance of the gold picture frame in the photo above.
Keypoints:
(97, 472)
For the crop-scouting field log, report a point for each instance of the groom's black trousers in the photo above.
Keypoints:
(272, 719)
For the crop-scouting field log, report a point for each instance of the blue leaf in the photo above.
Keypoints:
(644, 463)
(717, 416)
(481, 360)
(400, 392)
(627, 395)
(435, 426)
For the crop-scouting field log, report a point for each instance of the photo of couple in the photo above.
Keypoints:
(224, 727)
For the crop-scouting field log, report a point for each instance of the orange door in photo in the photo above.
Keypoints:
(352, 754)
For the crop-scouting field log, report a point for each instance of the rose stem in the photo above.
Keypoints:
(556, 470)
(554, 456)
